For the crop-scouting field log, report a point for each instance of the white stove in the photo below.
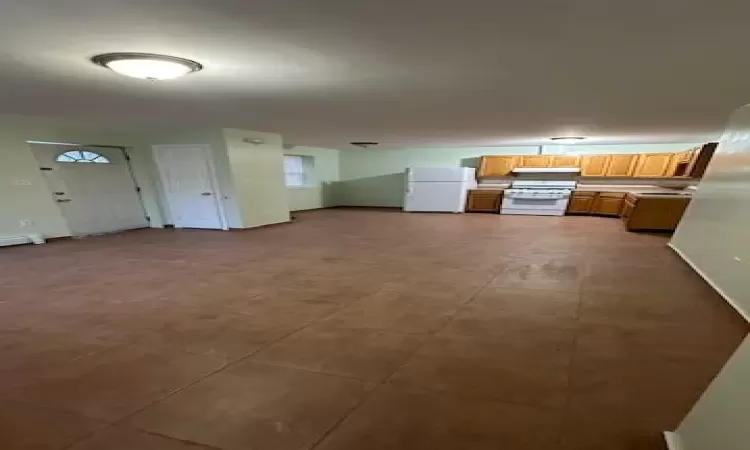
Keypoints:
(537, 197)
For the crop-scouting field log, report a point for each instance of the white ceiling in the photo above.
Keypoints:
(403, 72)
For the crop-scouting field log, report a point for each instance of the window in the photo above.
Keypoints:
(82, 156)
(298, 170)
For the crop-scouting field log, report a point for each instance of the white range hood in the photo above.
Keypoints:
(546, 170)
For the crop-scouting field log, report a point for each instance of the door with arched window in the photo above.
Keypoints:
(93, 186)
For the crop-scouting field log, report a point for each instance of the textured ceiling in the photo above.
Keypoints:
(408, 72)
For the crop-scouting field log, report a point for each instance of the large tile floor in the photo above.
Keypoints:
(356, 329)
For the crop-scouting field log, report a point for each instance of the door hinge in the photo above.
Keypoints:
(148, 218)
(137, 189)
(126, 155)
(45, 168)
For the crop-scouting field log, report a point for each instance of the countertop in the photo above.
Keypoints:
(637, 190)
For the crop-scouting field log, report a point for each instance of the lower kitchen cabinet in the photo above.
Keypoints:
(599, 203)
(653, 213)
(581, 203)
(483, 200)
(608, 203)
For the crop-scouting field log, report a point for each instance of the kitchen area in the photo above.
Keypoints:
(647, 191)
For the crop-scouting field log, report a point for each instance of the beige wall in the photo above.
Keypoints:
(23, 192)
(258, 177)
(325, 173)
(714, 236)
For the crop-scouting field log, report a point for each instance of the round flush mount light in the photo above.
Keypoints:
(567, 139)
(147, 66)
(364, 144)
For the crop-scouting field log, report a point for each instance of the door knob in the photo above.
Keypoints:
(206, 193)
(62, 200)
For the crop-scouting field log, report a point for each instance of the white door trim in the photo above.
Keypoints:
(209, 157)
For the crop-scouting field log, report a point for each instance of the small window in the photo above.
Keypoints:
(298, 170)
(82, 156)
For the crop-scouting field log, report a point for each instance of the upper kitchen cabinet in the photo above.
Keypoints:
(653, 165)
(621, 165)
(682, 163)
(564, 161)
(535, 161)
(496, 166)
(595, 165)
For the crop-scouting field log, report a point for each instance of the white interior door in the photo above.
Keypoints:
(93, 187)
(189, 186)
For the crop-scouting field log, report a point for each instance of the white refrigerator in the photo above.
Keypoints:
(438, 189)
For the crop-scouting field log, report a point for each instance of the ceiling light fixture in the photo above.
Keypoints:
(567, 139)
(364, 144)
(146, 65)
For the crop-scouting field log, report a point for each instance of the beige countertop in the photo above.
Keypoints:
(638, 190)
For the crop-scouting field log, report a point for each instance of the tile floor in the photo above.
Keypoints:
(357, 329)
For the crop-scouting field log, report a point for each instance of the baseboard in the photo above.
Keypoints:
(672, 440)
(711, 283)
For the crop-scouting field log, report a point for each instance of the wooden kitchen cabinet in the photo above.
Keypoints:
(653, 213)
(564, 161)
(534, 161)
(595, 165)
(608, 203)
(653, 165)
(621, 165)
(484, 200)
(496, 166)
(581, 202)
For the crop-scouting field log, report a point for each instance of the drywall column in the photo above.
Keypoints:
(713, 238)
(256, 161)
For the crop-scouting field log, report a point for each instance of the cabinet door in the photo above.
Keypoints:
(580, 204)
(621, 165)
(535, 161)
(627, 210)
(653, 165)
(595, 165)
(608, 205)
(483, 201)
(564, 161)
(496, 166)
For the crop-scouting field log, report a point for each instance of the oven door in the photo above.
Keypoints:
(534, 205)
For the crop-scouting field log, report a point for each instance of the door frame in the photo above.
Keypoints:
(131, 173)
(208, 157)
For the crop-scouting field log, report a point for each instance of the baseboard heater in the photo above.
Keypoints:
(18, 240)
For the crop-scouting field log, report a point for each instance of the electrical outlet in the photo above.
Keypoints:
(25, 223)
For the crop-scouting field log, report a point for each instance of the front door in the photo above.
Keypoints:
(93, 187)
(187, 177)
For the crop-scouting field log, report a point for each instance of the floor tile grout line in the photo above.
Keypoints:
(129, 416)
(386, 380)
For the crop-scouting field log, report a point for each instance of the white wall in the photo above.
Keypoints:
(714, 236)
(34, 201)
(258, 177)
(325, 174)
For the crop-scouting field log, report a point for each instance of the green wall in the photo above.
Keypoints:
(326, 174)
(374, 177)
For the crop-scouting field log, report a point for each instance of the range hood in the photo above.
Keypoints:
(546, 170)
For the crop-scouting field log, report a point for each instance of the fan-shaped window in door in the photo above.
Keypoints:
(82, 156)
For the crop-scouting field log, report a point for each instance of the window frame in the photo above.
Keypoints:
(81, 157)
(306, 174)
